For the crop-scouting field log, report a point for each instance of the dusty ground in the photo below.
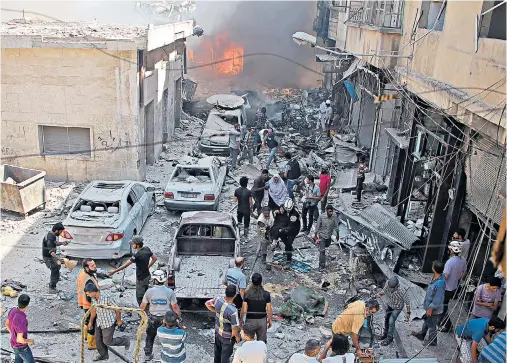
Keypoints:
(21, 251)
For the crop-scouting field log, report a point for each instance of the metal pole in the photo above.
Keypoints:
(361, 54)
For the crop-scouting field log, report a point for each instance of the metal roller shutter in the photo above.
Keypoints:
(484, 165)
(65, 141)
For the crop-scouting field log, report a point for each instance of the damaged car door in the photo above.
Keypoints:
(144, 200)
(136, 211)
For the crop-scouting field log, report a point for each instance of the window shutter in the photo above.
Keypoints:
(55, 140)
(79, 141)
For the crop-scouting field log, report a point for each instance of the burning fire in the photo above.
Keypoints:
(221, 49)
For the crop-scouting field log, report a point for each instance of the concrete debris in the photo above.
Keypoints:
(326, 333)
(106, 284)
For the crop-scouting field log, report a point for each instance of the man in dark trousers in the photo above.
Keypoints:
(292, 172)
(244, 198)
(433, 304)
(226, 324)
(49, 256)
(258, 190)
(280, 231)
(362, 169)
(293, 228)
(144, 259)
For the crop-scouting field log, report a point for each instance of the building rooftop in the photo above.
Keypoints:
(77, 31)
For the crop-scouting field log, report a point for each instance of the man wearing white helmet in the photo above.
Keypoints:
(160, 300)
(454, 270)
(326, 111)
(293, 228)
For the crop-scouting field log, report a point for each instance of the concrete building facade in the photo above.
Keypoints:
(85, 101)
(440, 143)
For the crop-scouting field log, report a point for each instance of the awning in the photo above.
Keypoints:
(354, 66)
(401, 141)
(328, 57)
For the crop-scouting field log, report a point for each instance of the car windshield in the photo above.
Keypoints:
(230, 119)
(192, 175)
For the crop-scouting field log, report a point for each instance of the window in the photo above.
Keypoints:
(55, 140)
(492, 23)
(432, 15)
(139, 191)
(381, 13)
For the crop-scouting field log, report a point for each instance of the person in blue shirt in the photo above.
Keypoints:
(495, 352)
(472, 332)
(172, 338)
(433, 304)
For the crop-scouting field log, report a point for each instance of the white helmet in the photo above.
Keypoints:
(455, 247)
(160, 276)
(328, 102)
(288, 205)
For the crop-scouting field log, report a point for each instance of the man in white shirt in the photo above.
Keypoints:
(312, 349)
(459, 236)
(339, 346)
(251, 351)
(264, 224)
(326, 111)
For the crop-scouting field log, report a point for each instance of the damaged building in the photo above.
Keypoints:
(85, 101)
(421, 85)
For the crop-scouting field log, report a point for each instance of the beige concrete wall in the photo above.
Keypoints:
(337, 27)
(75, 88)
(448, 58)
(366, 40)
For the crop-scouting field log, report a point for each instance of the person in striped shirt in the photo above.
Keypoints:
(226, 324)
(495, 352)
(172, 337)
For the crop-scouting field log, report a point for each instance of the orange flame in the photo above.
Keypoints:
(226, 57)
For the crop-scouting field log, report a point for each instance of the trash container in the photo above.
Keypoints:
(21, 189)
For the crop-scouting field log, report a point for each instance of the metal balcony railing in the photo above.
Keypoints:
(379, 13)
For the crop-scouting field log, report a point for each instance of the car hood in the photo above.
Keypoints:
(93, 219)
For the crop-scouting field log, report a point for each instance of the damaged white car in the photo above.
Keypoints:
(104, 218)
(195, 184)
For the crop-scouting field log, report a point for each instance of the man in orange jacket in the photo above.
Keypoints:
(87, 276)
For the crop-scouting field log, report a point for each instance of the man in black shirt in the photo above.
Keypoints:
(49, 256)
(144, 259)
(244, 198)
(258, 190)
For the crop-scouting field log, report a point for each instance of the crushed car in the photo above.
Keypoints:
(228, 110)
(195, 184)
(105, 216)
(204, 247)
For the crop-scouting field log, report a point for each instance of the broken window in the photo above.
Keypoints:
(230, 119)
(205, 230)
(55, 140)
(97, 206)
(192, 175)
(432, 14)
(492, 22)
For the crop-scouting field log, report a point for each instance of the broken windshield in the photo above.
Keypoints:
(192, 175)
(230, 119)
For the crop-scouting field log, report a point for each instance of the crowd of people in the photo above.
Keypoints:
(244, 313)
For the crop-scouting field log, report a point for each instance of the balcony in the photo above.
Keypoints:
(380, 15)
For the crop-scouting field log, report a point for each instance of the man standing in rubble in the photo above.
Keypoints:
(234, 143)
(87, 276)
(292, 229)
(326, 111)
(49, 244)
(396, 299)
(243, 197)
(160, 300)
(327, 223)
(272, 143)
(258, 189)
(235, 276)
(248, 146)
(292, 172)
(310, 202)
(260, 124)
(144, 259)
(265, 223)
(454, 271)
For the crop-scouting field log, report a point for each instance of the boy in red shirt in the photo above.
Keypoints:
(325, 185)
